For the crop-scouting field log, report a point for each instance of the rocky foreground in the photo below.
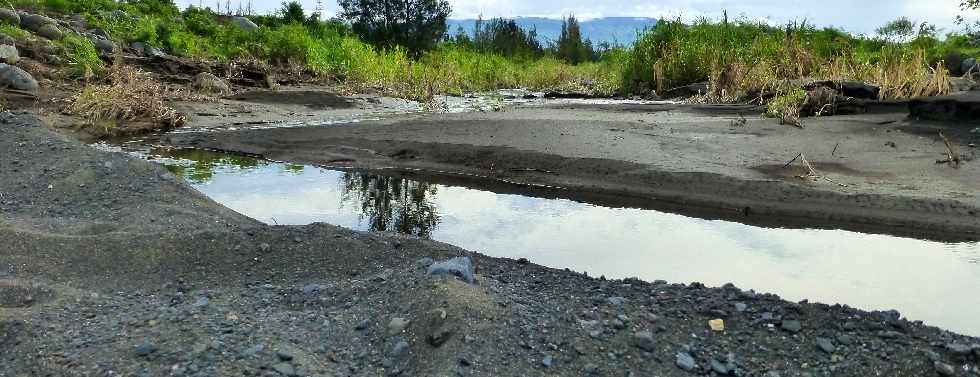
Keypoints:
(111, 266)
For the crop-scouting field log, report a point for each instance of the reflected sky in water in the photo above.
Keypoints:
(929, 281)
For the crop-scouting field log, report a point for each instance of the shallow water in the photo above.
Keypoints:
(930, 281)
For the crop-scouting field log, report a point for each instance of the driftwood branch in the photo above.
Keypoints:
(952, 157)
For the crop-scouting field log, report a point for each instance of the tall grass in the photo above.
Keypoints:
(745, 59)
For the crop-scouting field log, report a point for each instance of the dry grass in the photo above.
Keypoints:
(133, 102)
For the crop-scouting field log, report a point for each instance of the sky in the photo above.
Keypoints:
(858, 16)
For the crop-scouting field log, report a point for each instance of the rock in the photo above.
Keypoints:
(312, 289)
(7, 40)
(548, 361)
(399, 349)
(685, 361)
(791, 325)
(617, 324)
(245, 23)
(201, 303)
(363, 325)
(145, 349)
(439, 329)
(285, 369)
(825, 345)
(284, 355)
(461, 267)
(397, 325)
(9, 16)
(101, 33)
(716, 325)
(719, 367)
(959, 349)
(211, 84)
(50, 31)
(944, 369)
(852, 89)
(970, 66)
(9, 54)
(740, 307)
(34, 22)
(264, 247)
(616, 301)
(644, 341)
(12, 77)
(104, 46)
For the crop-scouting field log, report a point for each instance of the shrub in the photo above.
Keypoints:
(787, 106)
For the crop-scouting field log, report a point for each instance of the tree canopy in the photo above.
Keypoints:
(417, 25)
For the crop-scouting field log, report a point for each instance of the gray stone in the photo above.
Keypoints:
(970, 65)
(826, 345)
(399, 349)
(12, 77)
(791, 325)
(104, 46)
(145, 349)
(9, 54)
(284, 355)
(548, 361)
(685, 361)
(245, 23)
(616, 301)
(959, 348)
(644, 341)
(461, 267)
(944, 369)
(363, 325)
(617, 324)
(50, 31)
(9, 16)
(7, 40)
(740, 307)
(201, 303)
(34, 22)
(312, 289)
(719, 367)
(285, 369)
(101, 33)
(397, 325)
(211, 84)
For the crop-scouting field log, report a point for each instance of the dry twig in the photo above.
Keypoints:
(952, 157)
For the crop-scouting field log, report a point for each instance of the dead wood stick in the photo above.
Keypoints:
(952, 156)
(834, 153)
(793, 160)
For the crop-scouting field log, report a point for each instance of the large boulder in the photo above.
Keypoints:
(9, 16)
(12, 77)
(211, 84)
(50, 31)
(245, 23)
(9, 54)
(103, 46)
(970, 66)
(34, 22)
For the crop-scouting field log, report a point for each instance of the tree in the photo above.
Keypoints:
(292, 12)
(417, 25)
(505, 37)
(898, 30)
(571, 48)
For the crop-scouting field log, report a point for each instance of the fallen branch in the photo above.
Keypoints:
(811, 172)
(952, 157)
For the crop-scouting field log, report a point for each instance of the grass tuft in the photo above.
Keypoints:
(132, 103)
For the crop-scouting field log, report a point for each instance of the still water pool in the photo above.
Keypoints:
(930, 281)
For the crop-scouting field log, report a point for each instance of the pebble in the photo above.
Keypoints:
(397, 325)
(685, 361)
(644, 340)
(399, 349)
(616, 301)
(740, 307)
(285, 369)
(547, 361)
(791, 325)
(826, 345)
(202, 302)
(264, 247)
(719, 367)
(717, 324)
(284, 356)
(944, 369)
(312, 289)
(145, 349)
(363, 325)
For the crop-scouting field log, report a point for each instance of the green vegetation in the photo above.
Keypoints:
(83, 59)
(745, 59)
(787, 106)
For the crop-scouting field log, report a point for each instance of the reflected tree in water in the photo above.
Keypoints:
(393, 204)
(202, 164)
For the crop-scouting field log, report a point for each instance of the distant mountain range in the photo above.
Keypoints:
(613, 30)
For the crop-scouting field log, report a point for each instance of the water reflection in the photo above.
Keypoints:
(200, 166)
(392, 204)
(924, 280)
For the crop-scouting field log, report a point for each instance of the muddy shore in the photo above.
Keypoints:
(876, 172)
(112, 266)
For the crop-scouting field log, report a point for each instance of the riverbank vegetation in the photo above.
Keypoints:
(738, 59)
